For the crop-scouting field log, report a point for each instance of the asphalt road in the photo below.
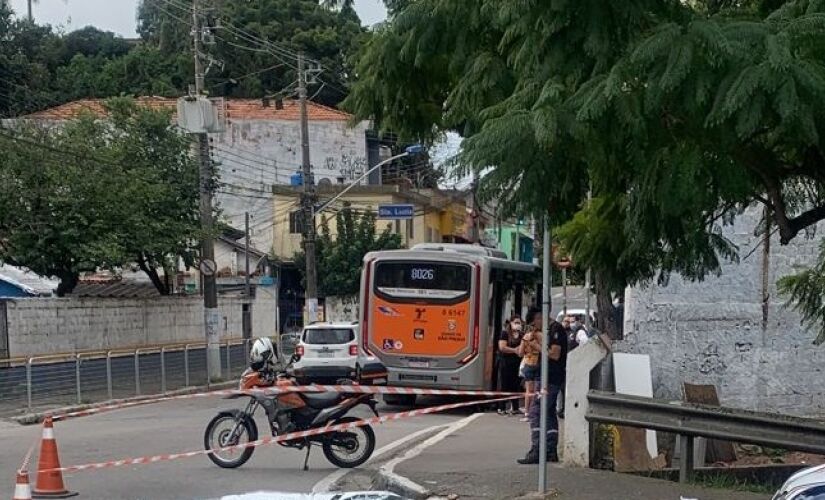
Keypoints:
(176, 427)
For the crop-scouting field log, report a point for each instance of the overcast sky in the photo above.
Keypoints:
(119, 15)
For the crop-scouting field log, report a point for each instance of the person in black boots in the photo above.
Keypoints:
(557, 365)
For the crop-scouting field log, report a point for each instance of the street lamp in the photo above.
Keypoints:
(415, 149)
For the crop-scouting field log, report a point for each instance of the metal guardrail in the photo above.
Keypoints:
(87, 377)
(692, 420)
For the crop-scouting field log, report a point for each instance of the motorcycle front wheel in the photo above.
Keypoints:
(349, 448)
(230, 428)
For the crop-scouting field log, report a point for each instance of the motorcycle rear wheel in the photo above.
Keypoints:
(217, 432)
(349, 448)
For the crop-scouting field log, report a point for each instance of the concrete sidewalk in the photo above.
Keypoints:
(479, 461)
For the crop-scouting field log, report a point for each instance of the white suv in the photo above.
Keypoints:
(332, 351)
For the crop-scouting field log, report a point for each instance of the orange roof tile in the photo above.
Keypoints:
(237, 109)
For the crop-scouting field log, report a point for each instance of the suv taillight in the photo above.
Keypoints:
(353, 350)
(299, 350)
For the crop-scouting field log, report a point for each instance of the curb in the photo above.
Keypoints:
(37, 417)
(400, 485)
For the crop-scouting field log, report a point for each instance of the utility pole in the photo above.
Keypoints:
(31, 14)
(307, 201)
(247, 303)
(546, 307)
(208, 267)
(587, 321)
(475, 236)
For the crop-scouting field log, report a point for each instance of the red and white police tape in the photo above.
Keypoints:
(24, 467)
(286, 437)
(269, 391)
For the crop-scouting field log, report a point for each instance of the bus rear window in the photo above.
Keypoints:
(422, 280)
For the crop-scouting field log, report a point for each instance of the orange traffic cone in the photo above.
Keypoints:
(22, 490)
(49, 482)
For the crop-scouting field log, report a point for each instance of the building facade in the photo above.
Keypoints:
(260, 147)
(439, 216)
(516, 240)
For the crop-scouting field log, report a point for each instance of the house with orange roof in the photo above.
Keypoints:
(260, 147)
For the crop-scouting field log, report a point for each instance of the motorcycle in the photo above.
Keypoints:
(291, 412)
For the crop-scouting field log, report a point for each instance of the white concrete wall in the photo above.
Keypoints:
(341, 309)
(266, 152)
(51, 325)
(711, 332)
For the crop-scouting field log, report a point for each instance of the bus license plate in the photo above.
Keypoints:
(419, 364)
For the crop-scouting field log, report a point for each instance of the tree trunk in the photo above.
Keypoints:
(68, 282)
(606, 317)
(167, 279)
(152, 272)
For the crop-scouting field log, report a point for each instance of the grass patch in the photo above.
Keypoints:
(724, 481)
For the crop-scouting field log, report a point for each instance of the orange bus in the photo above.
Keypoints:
(432, 314)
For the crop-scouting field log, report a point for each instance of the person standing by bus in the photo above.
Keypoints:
(508, 362)
(557, 366)
(530, 350)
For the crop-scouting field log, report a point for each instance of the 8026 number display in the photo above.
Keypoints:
(422, 274)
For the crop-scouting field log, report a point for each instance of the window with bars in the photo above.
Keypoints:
(296, 222)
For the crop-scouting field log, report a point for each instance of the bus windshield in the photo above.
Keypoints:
(434, 280)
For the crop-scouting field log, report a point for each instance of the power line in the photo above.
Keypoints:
(238, 195)
(249, 162)
(274, 48)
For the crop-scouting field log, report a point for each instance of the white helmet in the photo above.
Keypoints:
(262, 356)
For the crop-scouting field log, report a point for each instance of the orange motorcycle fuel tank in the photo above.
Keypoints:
(291, 400)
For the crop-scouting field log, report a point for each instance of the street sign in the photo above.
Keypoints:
(396, 211)
(208, 267)
(266, 281)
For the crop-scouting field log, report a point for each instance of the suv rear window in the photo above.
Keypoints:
(325, 336)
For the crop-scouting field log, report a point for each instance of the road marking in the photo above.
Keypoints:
(326, 484)
(388, 469)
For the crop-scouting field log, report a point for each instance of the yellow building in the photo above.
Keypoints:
(439, 216)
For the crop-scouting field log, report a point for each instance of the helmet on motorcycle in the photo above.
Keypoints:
(262, 355)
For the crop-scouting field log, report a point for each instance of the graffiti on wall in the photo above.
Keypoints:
(349, 167)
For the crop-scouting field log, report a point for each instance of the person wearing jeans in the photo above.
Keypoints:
(557, 364)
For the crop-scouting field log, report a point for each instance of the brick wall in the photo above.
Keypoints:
(53, 325)
(711, 332)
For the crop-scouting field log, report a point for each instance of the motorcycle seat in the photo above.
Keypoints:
(322, 400)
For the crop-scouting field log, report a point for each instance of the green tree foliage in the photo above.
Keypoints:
(804, 292)
(40, 67)
(339, 256)
(675, 114)
(99, 194)
(251, 69)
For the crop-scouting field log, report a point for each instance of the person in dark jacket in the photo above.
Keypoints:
(508, 362)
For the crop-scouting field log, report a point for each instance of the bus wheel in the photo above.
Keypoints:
(399, 399)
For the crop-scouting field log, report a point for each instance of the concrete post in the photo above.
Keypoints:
(686, 461)
(580, 362)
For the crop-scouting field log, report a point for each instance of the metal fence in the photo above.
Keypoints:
(714, 422)
(68, 379)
